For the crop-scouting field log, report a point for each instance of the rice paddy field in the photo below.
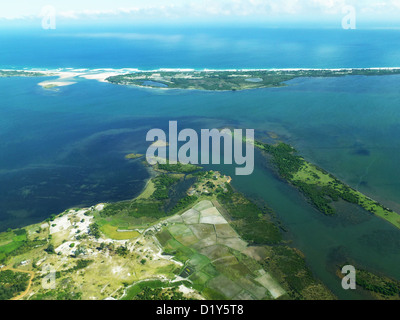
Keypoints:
(212, 253)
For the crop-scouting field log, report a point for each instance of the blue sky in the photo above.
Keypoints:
(267, 11)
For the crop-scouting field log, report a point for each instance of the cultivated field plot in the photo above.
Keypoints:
(213, 256)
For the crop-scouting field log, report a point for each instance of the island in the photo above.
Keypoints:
(213, 80)
(133, 156)
(235, 80)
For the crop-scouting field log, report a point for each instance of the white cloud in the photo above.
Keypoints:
(128, 36)
(175, 9)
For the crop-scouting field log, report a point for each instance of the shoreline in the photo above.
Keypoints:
(96, 71)
(70, 76)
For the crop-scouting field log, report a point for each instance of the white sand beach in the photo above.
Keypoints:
(54, 84)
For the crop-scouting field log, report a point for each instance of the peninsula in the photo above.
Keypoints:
(209, 242)
(321, 188)
(236, 79)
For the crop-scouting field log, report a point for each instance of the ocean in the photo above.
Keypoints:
(197, 47)
(66, 148)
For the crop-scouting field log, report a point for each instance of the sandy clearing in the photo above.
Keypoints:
(60, 224)
(117, 270)
(190, 292)
(61, 81)
(65, 248)
(83, 224)
(67, 75)
(100, 76)
(270, 284)
(99, 207)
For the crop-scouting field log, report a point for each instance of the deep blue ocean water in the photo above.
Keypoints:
(65, 148)
(198, 47)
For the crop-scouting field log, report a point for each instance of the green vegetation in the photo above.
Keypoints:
(113, 232)
(219, 269)
(94, 230)
(384, 287)
(155, 290)
(250, 221)
(156, 203)
(221, 259)
(80, 264)
(65, 290)
(319, 186)
(12, 283)
(223, 267)
(369, 283)
(133, 156)
(122, 251)
(50, 249)
(233, 80)
(211, 255)
(11, 241)
(284, 157)
(184, 203)
(148, 293)
(135, 208)
(177, 168)
(289, 267)
(16, 242)
(4, 73)
(162, 184)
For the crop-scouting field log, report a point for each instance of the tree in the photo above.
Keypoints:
(50, 249)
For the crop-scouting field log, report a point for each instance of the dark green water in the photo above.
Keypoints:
(63, 149)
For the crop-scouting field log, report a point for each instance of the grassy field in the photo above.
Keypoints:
(148, 191)
(116, 234)
(10, 241)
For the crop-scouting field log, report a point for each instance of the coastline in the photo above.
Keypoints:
(100, 73)
(70, 76)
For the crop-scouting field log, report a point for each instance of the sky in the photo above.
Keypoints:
(379, 12)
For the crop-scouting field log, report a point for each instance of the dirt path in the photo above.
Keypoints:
(21, 295)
